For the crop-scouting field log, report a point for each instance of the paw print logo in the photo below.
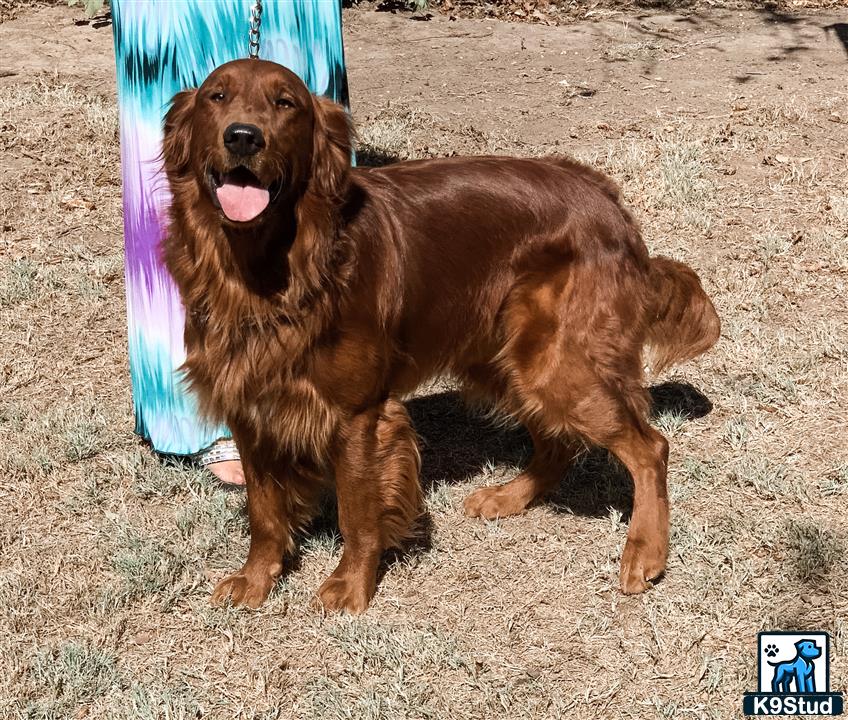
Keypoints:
(770, 650)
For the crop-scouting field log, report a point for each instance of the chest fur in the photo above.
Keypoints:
(257, 381)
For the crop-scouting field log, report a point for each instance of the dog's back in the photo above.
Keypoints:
(464, 235)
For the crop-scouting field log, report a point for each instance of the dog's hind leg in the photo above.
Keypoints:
(379, 500)
(572, 357)
(606, 417)
(645, 454)
(614, 416)
(551, 458)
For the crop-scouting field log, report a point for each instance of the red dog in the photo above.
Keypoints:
(317, 295)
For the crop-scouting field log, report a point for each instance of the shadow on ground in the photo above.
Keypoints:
(840, 30)
(458, 443)
(372, 156)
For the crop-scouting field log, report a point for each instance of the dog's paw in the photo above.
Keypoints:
(641, 564)
(345, 594)
(244, 589)
(494, 502)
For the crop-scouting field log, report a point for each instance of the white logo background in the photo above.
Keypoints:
(786, 652)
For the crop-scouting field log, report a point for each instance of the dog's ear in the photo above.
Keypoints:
(332, 143)
(177, 137)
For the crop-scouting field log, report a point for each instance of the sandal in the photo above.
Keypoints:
(222, 459)
(219, 451)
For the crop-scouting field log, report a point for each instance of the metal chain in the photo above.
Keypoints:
(253, 35)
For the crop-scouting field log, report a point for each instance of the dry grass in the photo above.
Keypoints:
(402, 132)
(110, 554)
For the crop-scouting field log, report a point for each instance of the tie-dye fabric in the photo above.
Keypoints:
(162, 47)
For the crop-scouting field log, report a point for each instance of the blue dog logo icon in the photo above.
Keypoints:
(794, 676)
(800, 670)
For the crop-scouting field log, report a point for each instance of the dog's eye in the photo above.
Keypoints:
(283, 103)
(217, 97)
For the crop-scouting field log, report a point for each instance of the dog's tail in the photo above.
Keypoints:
(683, 321)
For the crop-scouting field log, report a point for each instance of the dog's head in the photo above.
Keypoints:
(807, 649)
(251, 136)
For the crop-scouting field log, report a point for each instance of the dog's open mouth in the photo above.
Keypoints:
(240, 194)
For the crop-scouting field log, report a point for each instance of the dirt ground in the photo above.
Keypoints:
(728, 131)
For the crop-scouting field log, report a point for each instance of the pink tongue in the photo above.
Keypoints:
(242, 202)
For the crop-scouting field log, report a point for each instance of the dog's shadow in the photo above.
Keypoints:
(457, 444)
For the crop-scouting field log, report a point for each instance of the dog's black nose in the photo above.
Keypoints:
(243, 139)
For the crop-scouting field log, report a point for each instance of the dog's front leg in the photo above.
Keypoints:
(278, 500)
(379, 501)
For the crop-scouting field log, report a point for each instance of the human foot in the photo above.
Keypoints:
(228, 472)
(223, 461)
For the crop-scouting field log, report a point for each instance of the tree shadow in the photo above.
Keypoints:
(841, 32)
(798, 32)
(393, 6)
(97, 22)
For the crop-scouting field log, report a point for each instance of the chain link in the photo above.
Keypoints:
(253, 35)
